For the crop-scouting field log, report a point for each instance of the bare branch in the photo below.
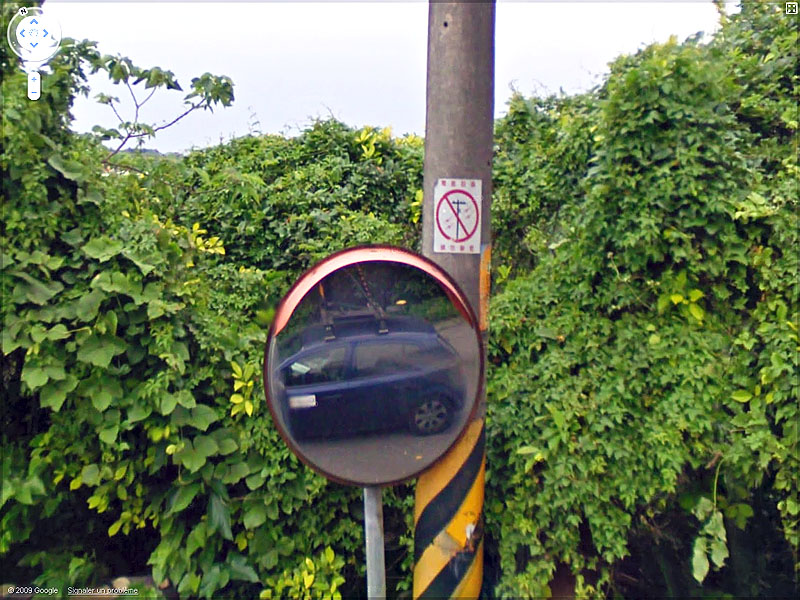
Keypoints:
(153, 91)
(111, 104)
(135, 102)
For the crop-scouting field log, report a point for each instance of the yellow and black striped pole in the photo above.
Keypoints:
(448, 521)
(448, 515)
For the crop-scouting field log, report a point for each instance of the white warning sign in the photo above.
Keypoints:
(457, 216)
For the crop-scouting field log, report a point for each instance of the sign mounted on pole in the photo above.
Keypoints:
(457, 216)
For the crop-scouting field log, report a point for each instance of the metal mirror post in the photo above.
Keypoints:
(373, 534)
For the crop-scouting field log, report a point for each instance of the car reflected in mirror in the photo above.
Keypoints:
(364, 381)
(372, 367)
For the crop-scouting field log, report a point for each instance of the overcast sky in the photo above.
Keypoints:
(361, 62)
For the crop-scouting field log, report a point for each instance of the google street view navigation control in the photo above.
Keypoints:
(35, 37)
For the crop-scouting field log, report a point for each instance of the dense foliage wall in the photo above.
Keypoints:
(643, 380)
(644, 393)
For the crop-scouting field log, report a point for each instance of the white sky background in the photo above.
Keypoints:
(361, 62)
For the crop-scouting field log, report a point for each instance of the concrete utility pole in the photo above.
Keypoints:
(459, 120)
(448, 531)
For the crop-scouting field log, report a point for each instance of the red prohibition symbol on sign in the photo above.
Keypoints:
(457, 215)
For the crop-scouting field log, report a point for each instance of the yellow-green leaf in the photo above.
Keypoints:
(308, 580)
(697, 311)
(112, 531)
(241, 541)
(741, 396)
(676, 298)
(237, 370)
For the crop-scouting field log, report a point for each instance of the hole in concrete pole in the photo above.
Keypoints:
(445, 23)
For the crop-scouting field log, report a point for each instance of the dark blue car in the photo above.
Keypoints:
(364, 375)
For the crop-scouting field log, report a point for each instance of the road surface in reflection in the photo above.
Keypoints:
(378, 457)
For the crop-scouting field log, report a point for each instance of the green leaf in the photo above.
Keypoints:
(241, 571)
(676, 298)
(103, 392)
(256, 516)
(183, 497)
(741, 396)
(527, 450)
(102, 248)
(70, 169)
(715, 526)
(190, 458)
(271, 559)
(719, 552)
(34, 377)
(699, 560)
(87, 306)
(558, 417)
(236, 472)
(703, 508)
(205, 445)
(188, 585)
(196, 538)
(663, 303)
(227, 446)
(211, 582)
(255, 481)
(219, 517)
(58, 332)
(90, 475)
(140, 260)
(168, 403)
(695, 295)
(202, 416)
(100, 349)
(139, 412)
(109, 435)
(54, 393)
(185, 399)
(38, 292)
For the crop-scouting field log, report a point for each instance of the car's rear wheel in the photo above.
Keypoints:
(430, 415)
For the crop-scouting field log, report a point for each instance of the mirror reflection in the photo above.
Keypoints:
(375, 373)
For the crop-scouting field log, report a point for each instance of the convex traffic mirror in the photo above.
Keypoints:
(373, 365)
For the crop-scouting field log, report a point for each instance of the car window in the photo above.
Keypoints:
(321, 366)
(374, 359)
(420, 353)
(390, 357)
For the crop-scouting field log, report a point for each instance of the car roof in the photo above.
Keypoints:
(347, 328)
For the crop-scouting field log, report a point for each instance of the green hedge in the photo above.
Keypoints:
(643, 353)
